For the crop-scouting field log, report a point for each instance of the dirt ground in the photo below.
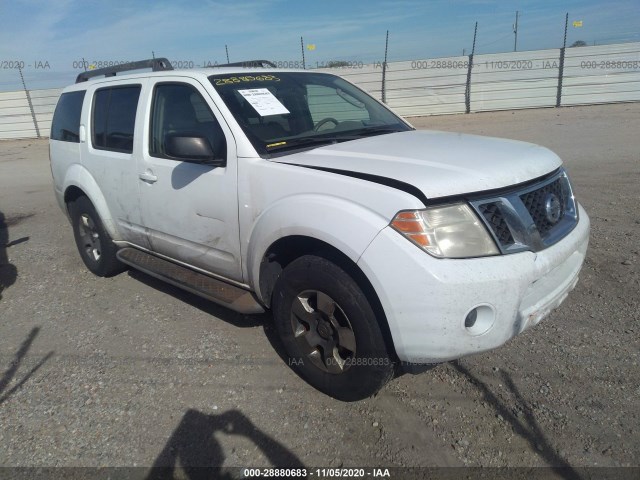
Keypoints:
(128, 371)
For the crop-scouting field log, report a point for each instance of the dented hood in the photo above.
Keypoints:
(439, 164)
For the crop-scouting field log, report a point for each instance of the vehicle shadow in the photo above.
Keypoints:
(265, 320)
(185, 172)
(527, 427)
(8, 272)
(8, 375)
(208, 307)
(193, 451)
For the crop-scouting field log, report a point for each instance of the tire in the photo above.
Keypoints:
(94, 244)
(329, 330)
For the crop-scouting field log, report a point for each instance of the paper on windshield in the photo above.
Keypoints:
(263, 101)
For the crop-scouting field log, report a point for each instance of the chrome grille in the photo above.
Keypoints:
(494, 218)
(535, 203)
(531, 218)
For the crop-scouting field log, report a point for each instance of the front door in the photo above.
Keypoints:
(189, 209)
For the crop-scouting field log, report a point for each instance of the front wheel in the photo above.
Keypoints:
(329, 330)
(96, 248)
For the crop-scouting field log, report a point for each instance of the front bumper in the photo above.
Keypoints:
(426, 300)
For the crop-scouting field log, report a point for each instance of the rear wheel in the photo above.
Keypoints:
(329, 329)
(94, 244)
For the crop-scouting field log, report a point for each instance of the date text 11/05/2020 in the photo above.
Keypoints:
(22, 65)
(315, 472)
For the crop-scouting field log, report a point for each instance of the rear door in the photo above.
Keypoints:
(189, 209)
(113, 136)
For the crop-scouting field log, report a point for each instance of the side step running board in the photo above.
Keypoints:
(207, 287)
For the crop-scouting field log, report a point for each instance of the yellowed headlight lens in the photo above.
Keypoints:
(452, 231)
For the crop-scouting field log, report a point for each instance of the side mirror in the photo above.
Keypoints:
(191, 149)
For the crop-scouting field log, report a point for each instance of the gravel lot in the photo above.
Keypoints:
(128, 371)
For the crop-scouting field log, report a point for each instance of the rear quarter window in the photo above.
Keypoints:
(66, 117)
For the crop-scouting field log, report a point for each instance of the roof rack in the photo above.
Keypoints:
(248, 64)
(155, 64)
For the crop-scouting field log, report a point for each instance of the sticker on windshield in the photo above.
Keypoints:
(263, 101)
(245, 78)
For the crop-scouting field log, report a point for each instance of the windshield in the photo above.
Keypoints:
(283, 112)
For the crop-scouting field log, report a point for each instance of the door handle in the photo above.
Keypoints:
(148, 177)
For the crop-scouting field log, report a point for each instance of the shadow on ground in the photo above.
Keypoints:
(527, 426)
(208, 307)
(8, 375)
(264, 320)
(8, 272)
(193, 451)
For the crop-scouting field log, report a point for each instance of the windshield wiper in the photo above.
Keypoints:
(365, 132)
(330, 140)
(301, 142)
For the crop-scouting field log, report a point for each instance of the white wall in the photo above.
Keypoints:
(16, 120)
(505, 81)
(601, 74)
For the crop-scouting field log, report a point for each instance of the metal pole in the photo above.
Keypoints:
(304, 66)
(467, 91)
(226, 49)
(33, 113)
(475, 34)
(561, 67)
(384, 70)
(153, 54)
(515, 32)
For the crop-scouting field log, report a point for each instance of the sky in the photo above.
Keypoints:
(52, 38)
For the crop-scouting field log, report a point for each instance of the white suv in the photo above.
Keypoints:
(375, 245)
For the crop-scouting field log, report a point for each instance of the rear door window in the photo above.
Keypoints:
(114, 118)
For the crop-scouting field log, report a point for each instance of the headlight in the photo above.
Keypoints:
(452, 231)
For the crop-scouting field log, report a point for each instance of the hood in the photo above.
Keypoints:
(439, 164)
